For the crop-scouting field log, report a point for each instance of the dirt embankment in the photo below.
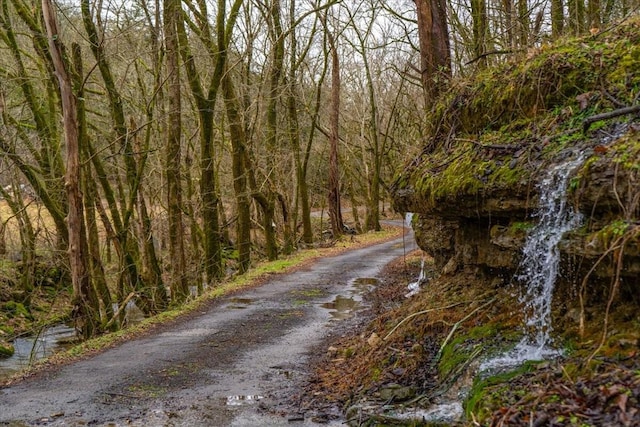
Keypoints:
(430, 346)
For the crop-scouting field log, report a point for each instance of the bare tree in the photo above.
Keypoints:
(179, 285)
(335, 210)
(85, 306)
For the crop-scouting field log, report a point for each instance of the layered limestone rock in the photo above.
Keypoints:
(473, 189)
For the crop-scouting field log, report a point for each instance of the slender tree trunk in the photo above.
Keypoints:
(178, 285)
(238, 155)
(206, 105)
(524, 23)
(302, 191)
(90, 191)
(122, 214)
(335, 211)
(507, 6)
(557, 18)
(595, 14)
(86, 309)
(480, 26)
(576, 16)
(273, 143)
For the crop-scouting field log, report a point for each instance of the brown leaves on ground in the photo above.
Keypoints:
(607, 398)
(561, 393)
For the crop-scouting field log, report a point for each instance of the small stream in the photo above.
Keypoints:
(28, 350)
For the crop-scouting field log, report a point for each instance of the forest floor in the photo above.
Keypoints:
(412, 354)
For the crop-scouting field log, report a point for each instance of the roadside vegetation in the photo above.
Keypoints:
(26, 323)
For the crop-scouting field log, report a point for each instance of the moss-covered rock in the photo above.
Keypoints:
(6, 349)
(491, 135)
(15, 309)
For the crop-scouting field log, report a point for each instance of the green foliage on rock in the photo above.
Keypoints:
(491, 134)
(6, 349)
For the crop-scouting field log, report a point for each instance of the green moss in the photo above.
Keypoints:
(6, 329)
(465, 172)
(465, 347)
(519, 227)
(536, 105)
(6, 349)
(488, 392)
(15, 309)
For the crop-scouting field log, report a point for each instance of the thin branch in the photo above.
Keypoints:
(609, 115)
(493, 52)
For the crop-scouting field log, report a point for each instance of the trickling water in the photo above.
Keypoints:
(408, 218)
(540, 265)
(414, 287)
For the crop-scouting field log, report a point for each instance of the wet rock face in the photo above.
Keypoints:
(489, 230)
(436, 236)
(467, 243)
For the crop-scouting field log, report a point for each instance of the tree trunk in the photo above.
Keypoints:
(122, 212)
(88, 185)
(576, 16)
(595, 14)
(85, 302)
(480, 26)
(507, 6)
(302, 190)
(238, 155)
(178, 284)
(557, 18)
(435, 57)
(523, 23)
(335, 211)
(206, 104)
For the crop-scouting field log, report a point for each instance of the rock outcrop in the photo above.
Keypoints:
(474, 187)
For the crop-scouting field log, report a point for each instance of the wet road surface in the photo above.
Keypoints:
(238, 362)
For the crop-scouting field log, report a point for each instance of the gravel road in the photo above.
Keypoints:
(238, 362)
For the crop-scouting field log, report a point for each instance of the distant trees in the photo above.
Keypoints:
(199, 136)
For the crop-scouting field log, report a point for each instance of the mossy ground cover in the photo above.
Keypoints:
(581, 388)
(496, 129)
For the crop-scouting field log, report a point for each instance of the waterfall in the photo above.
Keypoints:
(540, 265)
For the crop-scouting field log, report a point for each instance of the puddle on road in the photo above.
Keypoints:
(364, 284)
(345, 306)
(239, 303)
(342, 307)
(243, 399)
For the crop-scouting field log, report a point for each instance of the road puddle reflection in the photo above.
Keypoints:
(243, 399)
(345, 306)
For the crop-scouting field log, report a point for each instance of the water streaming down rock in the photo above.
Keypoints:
(540, 266)
(414, 287)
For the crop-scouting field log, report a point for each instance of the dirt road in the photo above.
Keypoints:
(238, 362)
